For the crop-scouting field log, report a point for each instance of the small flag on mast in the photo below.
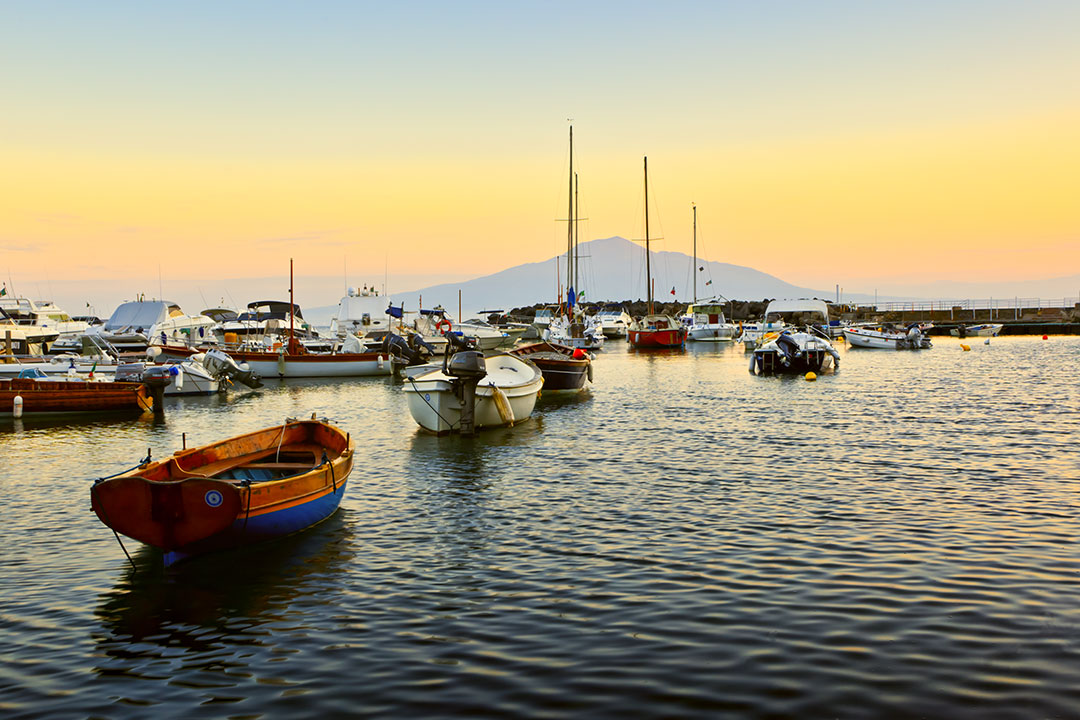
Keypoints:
(3, 290)
(709, 283)
(672, 289)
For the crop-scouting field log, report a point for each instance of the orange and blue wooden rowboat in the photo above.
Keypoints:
(245, 489)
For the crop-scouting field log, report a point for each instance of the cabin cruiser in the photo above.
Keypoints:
(984, 330)
(887, 337)
(614, 323)
(267, 318)
(135, 325)
(580, 334)
(364, 313)
(16, 339)
(705, 321)
(434, 324)
(42, 313)
(780, 314)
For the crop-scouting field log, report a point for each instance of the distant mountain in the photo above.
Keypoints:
(612, 269)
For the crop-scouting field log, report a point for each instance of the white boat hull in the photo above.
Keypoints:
(979, 330)
(712, 333)
(294, 367)
(876, 342)
(436, 408)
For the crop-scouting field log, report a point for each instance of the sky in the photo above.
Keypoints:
(188, 149)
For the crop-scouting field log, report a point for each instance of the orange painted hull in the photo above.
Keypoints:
(253, 487)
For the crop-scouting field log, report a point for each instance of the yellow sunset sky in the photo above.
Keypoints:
(874, 147)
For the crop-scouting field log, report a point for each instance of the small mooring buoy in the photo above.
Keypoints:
(965, 348)
(1045, 337)
(986, 341)
(810, 376)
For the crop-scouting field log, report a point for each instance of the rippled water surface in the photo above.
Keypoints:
(683, 540)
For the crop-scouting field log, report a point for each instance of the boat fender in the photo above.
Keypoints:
(382, 362)
(588, 372)
(17, 406)
(753, 361)
(502, 404)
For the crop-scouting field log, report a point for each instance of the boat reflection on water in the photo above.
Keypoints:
(216, 600)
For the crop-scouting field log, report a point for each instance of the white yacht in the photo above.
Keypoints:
(44, 314)
(433, 324)
(363, 313)
(614, 323)
(135, 325)
(705, 321)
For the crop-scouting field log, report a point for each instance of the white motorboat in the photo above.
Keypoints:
(62, 365)
(184, 378)
(135, 325)
(705, 322)
(18, 339)
(888, 338)
(781, 314)
(794, 352)
(505, 392)
(363, 313)
(434, 324)
(584, 335)
(983, 330)
(43, 314)
(614, 323)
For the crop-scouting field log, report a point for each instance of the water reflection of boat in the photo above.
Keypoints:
(150, 608)
(249, 488)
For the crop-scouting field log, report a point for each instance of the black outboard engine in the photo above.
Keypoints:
(467, 367)
(398, 347)
(789, 349)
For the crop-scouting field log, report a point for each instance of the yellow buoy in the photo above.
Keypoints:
(965, 348)
(811, 376)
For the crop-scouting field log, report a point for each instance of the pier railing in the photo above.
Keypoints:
(1014, 308)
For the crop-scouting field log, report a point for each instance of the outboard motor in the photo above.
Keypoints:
(467, 367)
(789, 349)
(156, 377)
(220, 365)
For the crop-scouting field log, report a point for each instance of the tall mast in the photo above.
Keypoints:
(570, 223)
(577, 238)
(694, 268)
(648, 267)
(292, 307)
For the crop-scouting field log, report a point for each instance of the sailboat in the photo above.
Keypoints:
(654, 331)
(705, 320)
(572, 329)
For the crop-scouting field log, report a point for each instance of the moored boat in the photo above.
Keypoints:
(245, 489)
(503, 391)
(563, 368)
(20, 397)
(983, 330)
(653, 331)
(794, 352)
(888, 338)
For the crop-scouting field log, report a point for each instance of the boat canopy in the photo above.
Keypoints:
(779, 308)
(263, 309)
(138, 314)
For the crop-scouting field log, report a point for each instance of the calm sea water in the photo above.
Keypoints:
(684, 540)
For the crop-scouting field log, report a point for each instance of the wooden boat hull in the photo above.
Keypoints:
(231, 493)
(309, 365)
(557, 364)
(48, 397)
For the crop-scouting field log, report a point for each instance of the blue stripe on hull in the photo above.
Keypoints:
(264, 527)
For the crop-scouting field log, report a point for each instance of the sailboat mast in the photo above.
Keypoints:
(292, 305)
(577, 238)
(570, 223)
(648, 267)
(693, 269)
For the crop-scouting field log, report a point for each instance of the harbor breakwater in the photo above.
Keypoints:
(1032, 320)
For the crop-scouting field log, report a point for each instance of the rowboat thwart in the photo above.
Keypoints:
(245, 489)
